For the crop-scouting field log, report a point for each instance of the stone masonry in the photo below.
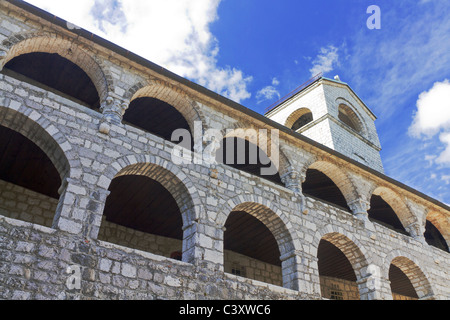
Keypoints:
(42, 239)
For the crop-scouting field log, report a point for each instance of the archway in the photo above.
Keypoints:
(340, 264)
(434, 237)
(147, 209)
(299, 119)
(250, 249)
(157, 117)
(257, 238)
(32, 168)
(408, 282)
(56, 74)
(141, 214)
(246, 156)
(384, 209)
(318, 185)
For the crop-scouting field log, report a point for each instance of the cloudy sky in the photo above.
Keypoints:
(256, 51)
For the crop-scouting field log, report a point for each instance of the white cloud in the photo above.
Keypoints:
(433, 116)
(325, 61)
(269, 92)
(444, 157)
(433, 111)
(446, 179)
(172, 33)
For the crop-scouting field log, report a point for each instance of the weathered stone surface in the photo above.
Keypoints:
(41, 237)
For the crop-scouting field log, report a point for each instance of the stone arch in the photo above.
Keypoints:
(356, 254)
(37, 129)
(279, 226)
(170, 94)
(441, 222)
(67, 48)
(337, 175)
(349, 110)
(416, 274)
(46, 136)
(399, 206)
(167, 174)
(296, 115)
(252, 134)
(269, 214)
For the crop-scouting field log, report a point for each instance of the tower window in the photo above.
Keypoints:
(347, 116)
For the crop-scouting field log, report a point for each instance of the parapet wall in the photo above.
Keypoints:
(90, 148)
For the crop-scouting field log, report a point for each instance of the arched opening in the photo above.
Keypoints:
(29, 181)
(156, 116)
(140, 213)
(57, 74)
(337, 276)
(348, 116)
(302, 121)
(246, 156)
(434, 238)
(408, 282)
(318, 185)
(401, 286)
(382, 213)
(250, 249)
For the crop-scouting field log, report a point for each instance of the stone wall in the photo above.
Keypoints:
(89, 149)
(19, 203)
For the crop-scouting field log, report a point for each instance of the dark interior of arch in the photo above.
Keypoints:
(400, 283)
(302, 121)
(24, 164)
(346, 119)
(333, 262)
(58, 73)
(143, 204)
(246, 235)
(434, 238)
(242, 160)
(381, 212)
(318, 185)
(157, 117)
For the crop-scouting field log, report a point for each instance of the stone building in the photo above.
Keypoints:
(97, 201)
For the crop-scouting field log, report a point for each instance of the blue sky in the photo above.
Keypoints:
(255, 51)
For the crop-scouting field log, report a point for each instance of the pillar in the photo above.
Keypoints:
(80, 209)
(113, 109)
(293, 180)
(203, 244)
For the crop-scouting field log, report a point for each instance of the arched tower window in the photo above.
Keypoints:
(348, 116)
(302, 121)
(299, 118)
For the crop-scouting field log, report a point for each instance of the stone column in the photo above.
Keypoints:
(416, 227)
(359, 209)
(293, 180)
(3, 55)
(80, 209)
(373, 286)
(299, 272)
(203, 244)
(113, 109)
(417, 230)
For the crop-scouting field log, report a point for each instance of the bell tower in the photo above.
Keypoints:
(330, 112)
